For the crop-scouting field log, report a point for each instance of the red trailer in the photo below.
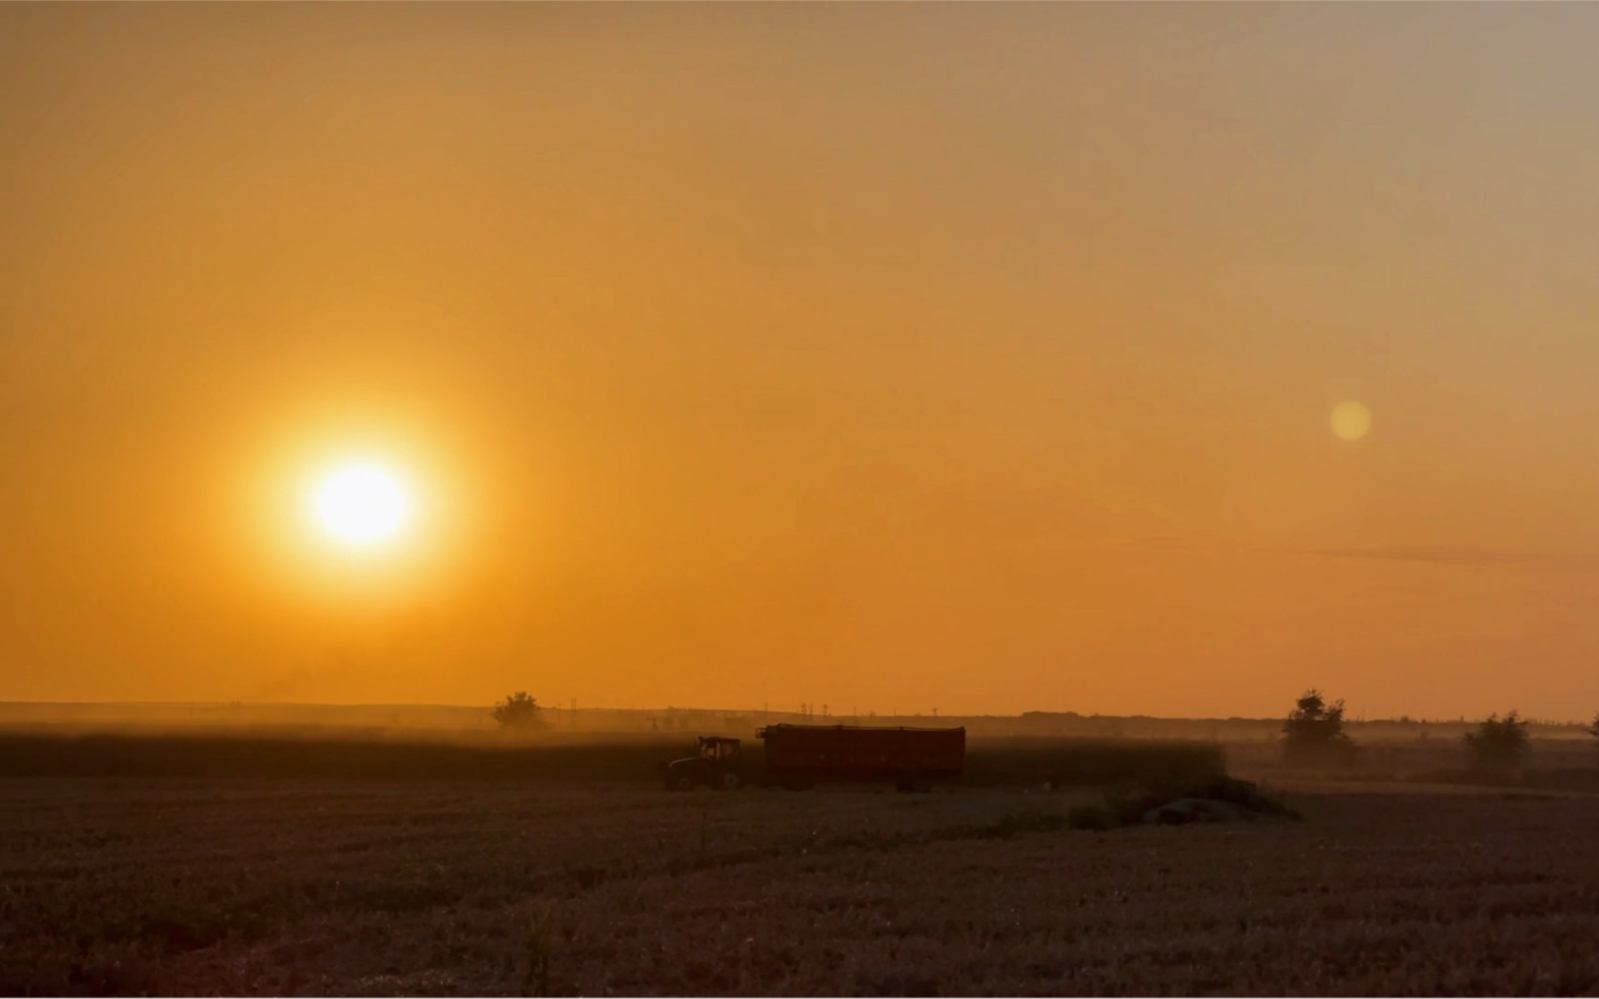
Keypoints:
(800, 756)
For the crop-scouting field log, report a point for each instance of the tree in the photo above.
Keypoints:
(1593, 729)
(1314, 732)
(519, 711)
(1498, 743)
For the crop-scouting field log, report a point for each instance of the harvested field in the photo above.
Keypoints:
(385, 886)
(1061, 762)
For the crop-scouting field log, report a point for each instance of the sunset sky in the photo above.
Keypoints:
(891, 357)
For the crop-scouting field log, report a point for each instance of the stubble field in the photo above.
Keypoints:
(484, 887)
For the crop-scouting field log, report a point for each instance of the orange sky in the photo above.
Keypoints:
(894, 357)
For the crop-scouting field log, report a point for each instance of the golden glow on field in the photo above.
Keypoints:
(1350, 420)
(361, 504)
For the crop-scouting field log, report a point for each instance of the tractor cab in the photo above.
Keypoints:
(718, 765)
(714, 747)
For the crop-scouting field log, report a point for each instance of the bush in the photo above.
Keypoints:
(519, 711)
(1498, 743)
(1314, 732)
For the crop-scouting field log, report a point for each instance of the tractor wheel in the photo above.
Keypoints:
(731, 782)
(685, 784)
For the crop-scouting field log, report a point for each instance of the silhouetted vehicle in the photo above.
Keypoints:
(719, 765)
(799, 757)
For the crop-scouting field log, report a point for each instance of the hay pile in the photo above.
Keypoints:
(1213, 799)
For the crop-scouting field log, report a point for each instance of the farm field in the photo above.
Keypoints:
(167, 885)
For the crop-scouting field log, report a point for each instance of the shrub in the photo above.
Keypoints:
(1314, 732)
(519, 711)
(1498, 743)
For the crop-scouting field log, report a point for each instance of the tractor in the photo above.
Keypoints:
(719, 765)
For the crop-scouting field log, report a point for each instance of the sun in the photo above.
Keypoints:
(1350, 420)
(361, 504)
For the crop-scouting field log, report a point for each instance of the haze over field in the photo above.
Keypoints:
(1144, 359)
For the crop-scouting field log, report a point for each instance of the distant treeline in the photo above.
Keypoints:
(1062, 762)
(476, 723)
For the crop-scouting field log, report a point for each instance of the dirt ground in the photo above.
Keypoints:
(404, 887)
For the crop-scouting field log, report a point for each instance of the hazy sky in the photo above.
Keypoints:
(888, 357)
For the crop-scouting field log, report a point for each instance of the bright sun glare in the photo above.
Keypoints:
(1351, 420)
(361, 504)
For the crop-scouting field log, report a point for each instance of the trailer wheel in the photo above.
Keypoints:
(731, 782)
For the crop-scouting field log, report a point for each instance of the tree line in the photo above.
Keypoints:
(1314, 734)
